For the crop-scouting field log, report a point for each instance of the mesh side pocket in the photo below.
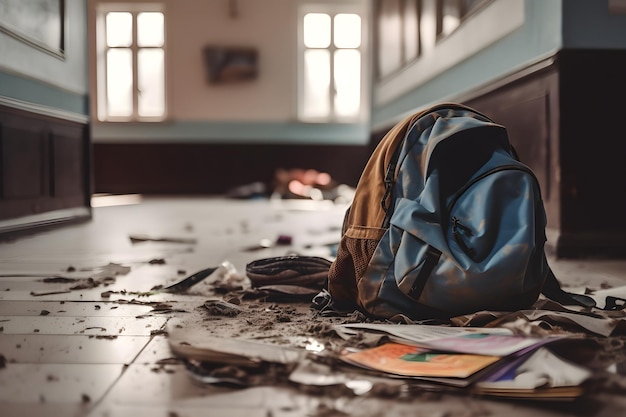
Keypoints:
(353, 255)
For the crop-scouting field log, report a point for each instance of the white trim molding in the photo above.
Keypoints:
(44, 110)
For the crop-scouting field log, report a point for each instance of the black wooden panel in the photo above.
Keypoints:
(23, 163)
(45, 167)
(214, 168)
(526, 123)
(593, 144)
(69, 165)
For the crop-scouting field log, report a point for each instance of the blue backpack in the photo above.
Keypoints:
(445, 221)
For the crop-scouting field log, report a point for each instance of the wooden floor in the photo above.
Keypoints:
(101, 351)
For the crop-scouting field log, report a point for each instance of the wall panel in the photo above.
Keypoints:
(45, 171)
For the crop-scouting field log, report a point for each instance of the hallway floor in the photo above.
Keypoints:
(79, 336)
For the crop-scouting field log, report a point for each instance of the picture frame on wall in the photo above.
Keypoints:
(37, 23)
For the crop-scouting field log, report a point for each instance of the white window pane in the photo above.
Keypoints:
(119, 82)
(390, 39)
(451, 16)
(316, 83)
(150, 29)
(150, 75)
(316, 30)
(119, 29)
(347, 30)
(347, 71)
(411, 30)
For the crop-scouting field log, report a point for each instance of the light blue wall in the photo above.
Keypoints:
(15, 87)
(40, 81)
(232, 132)
(539, 36)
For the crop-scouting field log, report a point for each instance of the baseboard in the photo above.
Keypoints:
(596, 244)
(11, 227)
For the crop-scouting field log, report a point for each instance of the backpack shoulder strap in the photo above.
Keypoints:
(371, 188)
(552, 289)
(390, 180)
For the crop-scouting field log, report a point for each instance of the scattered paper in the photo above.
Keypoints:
(413, 361)
(420, 332)
(541, 375)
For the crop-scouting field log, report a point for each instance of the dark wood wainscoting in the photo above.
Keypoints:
(207, 168)
(44, 176)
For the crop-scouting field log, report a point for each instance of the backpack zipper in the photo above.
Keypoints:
(486, 174)
(458, 228)
(390, 173)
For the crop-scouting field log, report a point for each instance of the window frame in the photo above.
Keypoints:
(101, 10)
(401, 9)
(503, 17)
(334, 9)
(464, 11)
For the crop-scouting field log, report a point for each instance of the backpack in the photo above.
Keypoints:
(445, 221)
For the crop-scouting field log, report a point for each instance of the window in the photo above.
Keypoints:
(332, 59)
(398, 35)
(450, 13)
(131, 64)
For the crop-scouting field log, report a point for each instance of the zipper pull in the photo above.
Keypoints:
(456, 227)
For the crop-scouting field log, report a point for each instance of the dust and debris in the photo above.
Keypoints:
(104, 337)
(162, 368)
(266, 325)
(381, 389)
(85, 284)
(323, 329)
(157, 261)
(102, 329)
(283, 317)
(229, 372)
(164, 307)
(169, 361)
(221, 308)
(233, 300)
(59, 280)
(105, 277)
(41, 294)
(324, 410)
